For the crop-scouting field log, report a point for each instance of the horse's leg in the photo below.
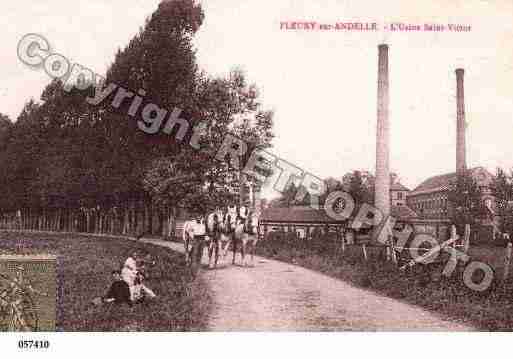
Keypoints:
(220, 245)
(226, 246)
(210, 250)
(197, 254)
(252, 253)
(201, 245)
(186, 245)
(193, 255)
(243, 249)
(216, 253)
(234, 247)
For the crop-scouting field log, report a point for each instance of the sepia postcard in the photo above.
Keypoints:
(286, 166)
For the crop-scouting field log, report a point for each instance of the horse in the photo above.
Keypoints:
(214, 230)
(221, 227)
(227, 230)
(246, 234)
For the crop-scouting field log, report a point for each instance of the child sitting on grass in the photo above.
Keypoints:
(132, 274)
(118, 293)
(140, 291)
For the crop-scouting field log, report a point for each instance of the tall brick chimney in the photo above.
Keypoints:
(382, 185)
(461, 162)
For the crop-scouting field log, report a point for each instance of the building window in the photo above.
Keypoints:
(399, 195)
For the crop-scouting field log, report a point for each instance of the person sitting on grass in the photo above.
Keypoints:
(119, 291)
(129, 270)
(140, 291)
(134, 278)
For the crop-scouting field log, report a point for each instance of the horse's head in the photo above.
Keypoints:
(188, 229)
(216, 220)
(212, 220)
(251, 223)
(232, 210)
(243, 212)
(230, 221)
(240, 226)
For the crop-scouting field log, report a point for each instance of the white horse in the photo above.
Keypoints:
(235, 226)
(221, 227)
(246, 234)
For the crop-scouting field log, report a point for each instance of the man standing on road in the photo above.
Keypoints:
(198, 243)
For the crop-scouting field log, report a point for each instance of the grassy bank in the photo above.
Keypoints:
(422, 285)
(85, 266)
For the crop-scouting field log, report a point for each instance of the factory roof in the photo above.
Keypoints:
(319, 216)
(398, 186)
(403, 212)
(444, 182)
(296, 215)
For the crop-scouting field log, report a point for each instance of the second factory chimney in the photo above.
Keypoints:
(382, 185)
(461, 162)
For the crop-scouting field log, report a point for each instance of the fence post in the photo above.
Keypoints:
(507, 261)
(453, 259)
(453, 232)
(466, 238)
(392, 248)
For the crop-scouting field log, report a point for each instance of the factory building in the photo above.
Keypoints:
(430, 199)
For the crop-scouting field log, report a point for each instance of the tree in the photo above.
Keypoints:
(361, 187)
(230, 108)
(465, 196)
(5, 128)
(288, 196)
(502, 190)
(65, 153)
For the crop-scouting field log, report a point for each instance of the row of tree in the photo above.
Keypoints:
(69, 165)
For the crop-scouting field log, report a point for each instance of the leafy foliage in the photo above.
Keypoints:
(502, 190)
(466, 196)
(359, 184)
(63, 152)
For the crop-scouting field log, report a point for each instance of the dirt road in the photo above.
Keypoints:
(282, 297)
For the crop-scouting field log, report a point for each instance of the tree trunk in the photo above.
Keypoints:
(150, 216)
(126, 221)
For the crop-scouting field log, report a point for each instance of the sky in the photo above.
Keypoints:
(320, 83)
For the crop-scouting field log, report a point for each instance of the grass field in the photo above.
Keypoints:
(422, 285)
(85, 266)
